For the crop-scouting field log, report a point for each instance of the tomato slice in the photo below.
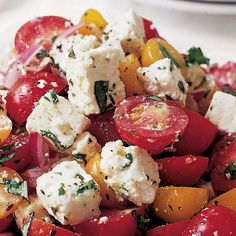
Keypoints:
(5, 223)
(28, 90)
(173, 170)
(150, 30)
(39, 31)
(149, 122)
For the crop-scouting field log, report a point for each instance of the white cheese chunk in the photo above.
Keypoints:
(92, 72)
(85, 146)
(129, 30)
(164, 79)
(69, 194)
(222, 111)
(130, 172)
(57, 119)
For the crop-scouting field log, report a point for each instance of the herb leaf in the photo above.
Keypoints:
(42, 54)
(61, 191)
(181, 86)
(128, 156)
(26, 226)
(72, 54)
(231, 169)
(54, 96)
(100, 91)
(6, 157)
(196, 56)
(80, 155)
(86, 186)
(53, 38)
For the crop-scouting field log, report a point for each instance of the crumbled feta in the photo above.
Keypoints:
(69, 194)
(41, 83)
(164, 79)
(57, 120)
(129, 30)
(92, 72)
(130, 172)
(222, 111)
(85, 146)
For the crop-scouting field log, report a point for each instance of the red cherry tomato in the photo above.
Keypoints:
(16, 147)
(39, 31)
(223, 164)
(115, 222)
(150, 30)
(103, 127)
(26, 91)
(148, 123)
(198, 135)
(5, 223)
(169, 229)
(182, 171)
(215, 220)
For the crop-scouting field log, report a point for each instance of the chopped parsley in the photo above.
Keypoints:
(72, 54)
(80, 155)
(7, 147)
(6, 157)
(53, 38)
(231, 170)
(42, 54)
(86, 186)
(79, 176)
(130, 158)
(181, 86)
(61, 191)
(26, 226)
(54, 96)
(196, 57)
(100, 91)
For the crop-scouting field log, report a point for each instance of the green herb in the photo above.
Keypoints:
(143, 223)
(79, 176)
(58, 173)
(80, 155)
(166, 54)
(54, 96)
(52, 232)
(46, 98)
(6, 157)
(61, 191)
(72, 54)
(226, 89)
(154, 98)
(100, 91)
(26, 226)
(181, 86)
(71, 82)
(53, 138)
(7, 147)
(196, 56)
(53, 38)
(231, 169)
(42, 54)
(129, 157)
(86, 186)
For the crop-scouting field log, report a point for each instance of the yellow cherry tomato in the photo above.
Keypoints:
(109, 198)
(174, 204)
(5, 127)
(227, 199)
(8, 201)
(128, 72)
(94, 23)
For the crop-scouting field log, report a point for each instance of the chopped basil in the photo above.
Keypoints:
(100, 91)
(54, 96)
(80, 155)
(61, 191)
(42, 54)
(46, 98)
(58, 173)
(71, 82)
(154, 98)
(166, 54)
(231, 170)
(79, 176)
(196, 56)
(52, 232)
(86, 186)
(181, 86)
(124, 191)
(129, 157)
(26, 226)
(6, 157)
(53, 38)
(7, 147)
(53, 138)
(72, 54)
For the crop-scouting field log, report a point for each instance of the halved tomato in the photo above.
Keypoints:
(40, 30)
(149, 122)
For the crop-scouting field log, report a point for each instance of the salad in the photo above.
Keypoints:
(106, 129)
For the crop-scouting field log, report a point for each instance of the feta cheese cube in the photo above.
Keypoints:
(164, 79)
(69, 194)
(129, 30)
(57, 120)
(130, 172)
(222, 111)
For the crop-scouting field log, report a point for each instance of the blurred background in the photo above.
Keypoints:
(207, 23)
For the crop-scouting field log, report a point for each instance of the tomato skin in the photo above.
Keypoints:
(25, 92)
(224, 153)
(210, 220)
(169, 229)
(173, 170)
(21, 147)
(150, 30)
(198, 135)
(103, 127)
(137, 120)
(39, 31)
(5, 223)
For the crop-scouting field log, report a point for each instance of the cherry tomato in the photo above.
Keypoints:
(39, 31)
(215, 220)
(5, 223)
(9, 201)
(173, 170)
(169, 229)
(103, 127)
(116, 223)
(223, 164)
(150, 30)
(28, 90)
(149, 123)
(17, 146)
(198, 135)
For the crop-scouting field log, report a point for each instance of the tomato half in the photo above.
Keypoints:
(39, 31)
(223, 164)
(182, 171)
(149, 122)
(28, 90)
(16, 147)
(150, 30)
(215, 220)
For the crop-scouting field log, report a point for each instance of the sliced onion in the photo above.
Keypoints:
(43, 64)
